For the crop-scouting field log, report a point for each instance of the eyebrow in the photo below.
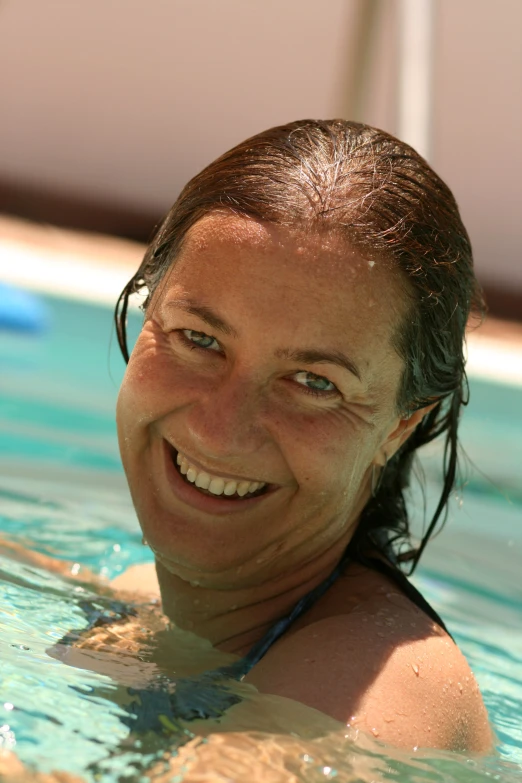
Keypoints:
(300, 356)
(205, 313)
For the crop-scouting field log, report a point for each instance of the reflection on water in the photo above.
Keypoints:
(62, 492)
(71, 710)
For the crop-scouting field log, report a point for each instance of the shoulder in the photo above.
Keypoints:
(393, 674)
(140, 579)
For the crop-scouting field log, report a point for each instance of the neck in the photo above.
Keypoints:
(234, 618)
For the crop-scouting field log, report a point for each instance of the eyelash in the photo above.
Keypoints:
(190, 343)
(317, 393)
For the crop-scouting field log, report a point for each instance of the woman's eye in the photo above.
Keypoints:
(316, 384)
(201, 340)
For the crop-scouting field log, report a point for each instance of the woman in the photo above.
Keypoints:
(306, 303)
(307, 298)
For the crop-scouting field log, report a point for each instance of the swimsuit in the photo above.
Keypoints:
(165, 702)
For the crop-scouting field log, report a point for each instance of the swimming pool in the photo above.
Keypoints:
(62, 490)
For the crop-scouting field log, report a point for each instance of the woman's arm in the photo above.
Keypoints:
(74, 571)
(140, 580)
(12, 770)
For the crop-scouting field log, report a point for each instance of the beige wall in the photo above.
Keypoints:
(478, 126)
(124, 100)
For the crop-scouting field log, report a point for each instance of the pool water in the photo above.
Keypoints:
(62, 493)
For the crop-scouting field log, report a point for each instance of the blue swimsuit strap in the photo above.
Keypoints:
(162, 704)
(240, 668)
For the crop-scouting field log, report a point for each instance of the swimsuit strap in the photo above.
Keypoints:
(396, 575)
(240, 668)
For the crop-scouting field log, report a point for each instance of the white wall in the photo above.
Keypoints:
(124, 100)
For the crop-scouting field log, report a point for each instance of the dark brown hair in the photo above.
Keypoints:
(386, 200)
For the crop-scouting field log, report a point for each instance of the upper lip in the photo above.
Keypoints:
(213, 471)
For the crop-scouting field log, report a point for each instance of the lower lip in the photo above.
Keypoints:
(191, 496)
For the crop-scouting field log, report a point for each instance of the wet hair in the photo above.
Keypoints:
(384, 198)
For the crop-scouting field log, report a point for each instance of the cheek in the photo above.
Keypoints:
(151, 380)
(329, 454)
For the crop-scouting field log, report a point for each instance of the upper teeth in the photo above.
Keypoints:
(216, 484)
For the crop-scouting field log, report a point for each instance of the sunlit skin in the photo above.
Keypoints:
(230, 370)
(240, 407)
(267, 353)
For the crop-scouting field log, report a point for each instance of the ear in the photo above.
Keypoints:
(400, 434)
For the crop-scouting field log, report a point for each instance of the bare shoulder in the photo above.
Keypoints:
(139, 580)
(395, 675)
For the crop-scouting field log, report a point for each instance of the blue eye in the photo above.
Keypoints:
(201, 340)
(315, 384)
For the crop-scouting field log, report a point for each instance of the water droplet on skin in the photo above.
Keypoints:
(375, 732)
(415, 668)
(371, 264)
(459, 685)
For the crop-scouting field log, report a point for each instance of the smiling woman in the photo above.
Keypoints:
(239, 406)
(306, 301)
(307, 297)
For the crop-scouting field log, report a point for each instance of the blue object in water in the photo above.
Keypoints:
(21, 311)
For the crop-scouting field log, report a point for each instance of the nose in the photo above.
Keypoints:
(228, 421)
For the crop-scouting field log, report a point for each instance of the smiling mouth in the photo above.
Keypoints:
(214, 485)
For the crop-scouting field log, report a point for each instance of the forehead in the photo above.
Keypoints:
(312, 283)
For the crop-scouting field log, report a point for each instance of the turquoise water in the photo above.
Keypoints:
(63, 493)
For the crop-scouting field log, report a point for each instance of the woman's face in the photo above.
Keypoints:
(266, 357)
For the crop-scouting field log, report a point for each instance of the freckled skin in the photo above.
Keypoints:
(241, 408)
(242, 411)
